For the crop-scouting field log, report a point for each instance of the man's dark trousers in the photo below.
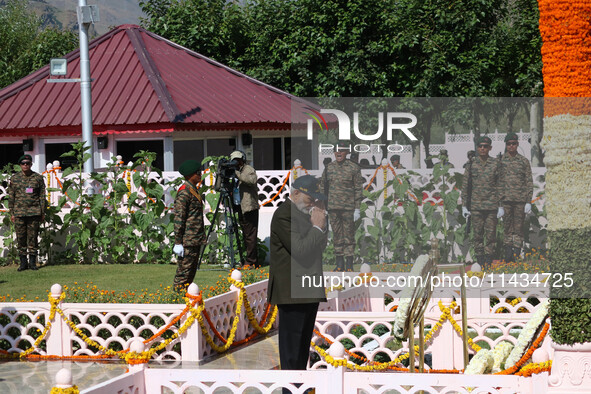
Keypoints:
(249, 222)
(296, 327)
(295, 333)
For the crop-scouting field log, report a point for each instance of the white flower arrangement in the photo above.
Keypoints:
(404, 305)
(567, 184)
(500, 354)
(527, 334)
(481, 363)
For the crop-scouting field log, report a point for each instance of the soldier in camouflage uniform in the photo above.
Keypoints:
(189, 232)
(517, 189)
(26, 201)
(485, 202)
(342, 183)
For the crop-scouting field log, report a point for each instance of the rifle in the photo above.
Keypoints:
(469, 198)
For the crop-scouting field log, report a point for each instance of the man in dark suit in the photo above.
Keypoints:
(296, 281)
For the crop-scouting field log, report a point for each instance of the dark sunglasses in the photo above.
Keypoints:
(484, 146)
(26, 163)
(512, 143)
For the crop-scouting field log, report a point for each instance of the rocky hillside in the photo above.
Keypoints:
(62, 13)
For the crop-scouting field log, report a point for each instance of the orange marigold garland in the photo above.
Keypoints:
(566, 55)
(527, 354)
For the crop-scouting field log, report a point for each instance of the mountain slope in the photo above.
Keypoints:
(62, 13)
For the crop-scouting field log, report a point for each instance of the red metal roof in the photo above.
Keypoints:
(144, 83)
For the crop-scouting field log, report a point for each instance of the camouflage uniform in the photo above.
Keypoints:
(484, 203)
(342, 183)
(188, 231)
(26, 201)
(517, 189)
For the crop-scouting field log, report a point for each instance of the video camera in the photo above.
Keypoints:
(226, 175)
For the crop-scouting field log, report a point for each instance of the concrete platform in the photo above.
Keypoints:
(27, 377)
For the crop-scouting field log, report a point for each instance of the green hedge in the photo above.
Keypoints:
(570, 307)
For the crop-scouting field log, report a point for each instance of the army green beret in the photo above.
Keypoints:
(511, 136)
(395, 157)
(25, 157)
(189, 167)
(484, 140)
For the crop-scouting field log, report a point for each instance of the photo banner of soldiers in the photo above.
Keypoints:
(385, 215)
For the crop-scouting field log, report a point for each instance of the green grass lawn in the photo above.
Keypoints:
(131, 280)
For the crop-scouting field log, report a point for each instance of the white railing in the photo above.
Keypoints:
(329, 381)
(127, 324)
(270, 183)
(116, 326)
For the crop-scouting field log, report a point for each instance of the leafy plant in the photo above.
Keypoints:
(6, 224)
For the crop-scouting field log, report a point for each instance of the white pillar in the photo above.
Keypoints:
(56, 343)
(192, 339)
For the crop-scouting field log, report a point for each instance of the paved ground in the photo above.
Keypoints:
(25, 377)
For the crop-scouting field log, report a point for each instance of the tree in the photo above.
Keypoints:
(366, 48)
(24, 45)
(214, 28)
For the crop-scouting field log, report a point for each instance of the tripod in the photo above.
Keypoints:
(230, 218)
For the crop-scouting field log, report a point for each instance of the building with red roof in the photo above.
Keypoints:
(149, 93)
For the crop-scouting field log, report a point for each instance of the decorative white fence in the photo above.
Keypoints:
(121, 324)
(274, 187)
(116, 326)
(331, 381)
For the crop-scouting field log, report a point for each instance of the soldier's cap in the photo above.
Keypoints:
(25, 157)
(511, 136)
(395, 157)
(483, 140)
(189, 167)
(309, 185)
(443, 152)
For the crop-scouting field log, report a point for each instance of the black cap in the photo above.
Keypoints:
(309, 185)
(395, 157)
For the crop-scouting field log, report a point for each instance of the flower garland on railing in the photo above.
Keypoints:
(143, 357)
(458, 329)
(69, 390)
(527, 333)
(535, 368)
(483, 360)
(53, 302)
(391, 365)
(528, 354)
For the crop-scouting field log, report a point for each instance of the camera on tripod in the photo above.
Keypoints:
(226, 175)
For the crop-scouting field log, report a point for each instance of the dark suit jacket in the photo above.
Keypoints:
(296, 254)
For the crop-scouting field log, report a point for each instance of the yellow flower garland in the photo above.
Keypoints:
(53, 302)
(446, 314)
(143, 357)
(457, 327)
(535, 368)
(70, 390)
